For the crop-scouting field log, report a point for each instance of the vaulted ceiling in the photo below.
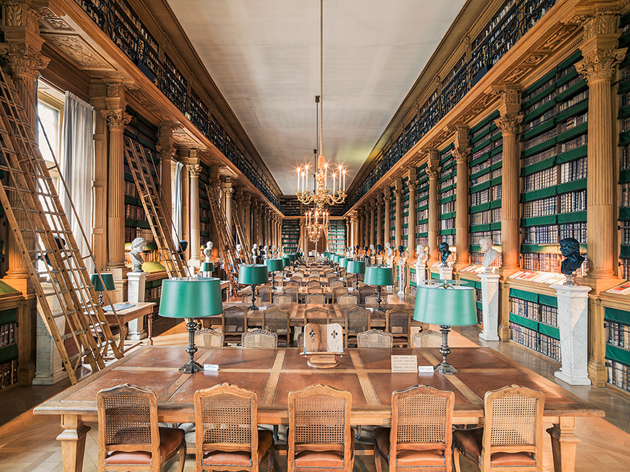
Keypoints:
(264, 57)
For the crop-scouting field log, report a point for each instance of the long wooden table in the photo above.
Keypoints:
(273, 373)
(296, 313)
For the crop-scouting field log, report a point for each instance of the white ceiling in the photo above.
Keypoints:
(264, 57)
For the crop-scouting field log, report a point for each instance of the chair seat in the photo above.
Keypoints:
(170, 439)
(468, 441)
(407, 458)
(322, 459)
(240, 458)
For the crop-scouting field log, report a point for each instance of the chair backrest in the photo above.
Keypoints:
(351, 280)
(314, 283)
(422, 419)
(276, 320)
(320, 416)
(208, 337)
(127, 416)
(397, 321)
(247, 298)
(316, 315)
(348, 300)
(265, 294)
(297, 280)
(427, 338)
(315, 299)
(375, 339)
(372, 300)
(357, 320)
(226, 419)
(513, 417)
(278, 280)
(298, 274)
(319, 289)
(282, 299)
(335, 283)
(234, 320)
(365, 291)
(337, 292)
(259, 338)
(292, 292)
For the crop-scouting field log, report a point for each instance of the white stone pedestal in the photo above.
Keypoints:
(402, 281)
(136, 286)
(446, 273)
(421, 274)
(573, 324)
(490, 302)
(48, 360)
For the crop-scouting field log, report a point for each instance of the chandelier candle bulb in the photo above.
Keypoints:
(333, 187)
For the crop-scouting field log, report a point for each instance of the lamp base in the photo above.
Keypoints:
(191, 367)
(445, 368)
(378, 298)
(253, 307)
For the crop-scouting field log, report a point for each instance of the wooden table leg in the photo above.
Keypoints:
(72, 442)
(150, 327)
(564, 444)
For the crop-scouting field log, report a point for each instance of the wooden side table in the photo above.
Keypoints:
(129, 314)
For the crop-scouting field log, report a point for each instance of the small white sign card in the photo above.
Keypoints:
(404, 364)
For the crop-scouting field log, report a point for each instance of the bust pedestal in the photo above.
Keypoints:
(446, 273)
(573, 325)
(48, 360)
(421, 274)
(137, 282)
(490, 302)
(402, 280)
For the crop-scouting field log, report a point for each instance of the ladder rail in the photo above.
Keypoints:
(247, 257)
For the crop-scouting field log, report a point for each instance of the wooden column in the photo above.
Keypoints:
(412, 182)
(194, 169)
(366, 226)
(260, 217)
(387, 197)
(433, 170)
(398, 215)
(99, 177)
(166, 149)
(372, 221)
(117, 119)
(379, 219)
(462, 154)
(509, 123)
(600, 59)
(228, 192)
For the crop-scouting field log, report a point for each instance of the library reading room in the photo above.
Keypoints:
(410, 221)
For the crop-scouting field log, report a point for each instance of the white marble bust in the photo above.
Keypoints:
(390, 253)
(420, 255)
(135, 254)
(208, 251)
(490, 254)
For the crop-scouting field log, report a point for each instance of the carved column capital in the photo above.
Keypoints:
(600, 64)
(116, 119)
(462, 155)
(25, 62)
(433, 164)
(247, 199)
(509, 124)
(194, 169)
(166, 146)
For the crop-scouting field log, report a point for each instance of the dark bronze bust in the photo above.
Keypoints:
(570, 249)
(445, 253)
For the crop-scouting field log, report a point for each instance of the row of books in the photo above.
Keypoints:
(448, 223)
(549, 346)
(573, 201)
(569, 84)
(524, 336)
(573, 100)
(625, 195)
(152, 294)
(619, 335)
(542, 207)
(130, 189)
(539, 180)
(486, 217)
(540, 277)
(538, 157)
(423, 214)
(205, 227)
(132, 233)
(525, 308)
(8, 373)
(573, 122)
(574, 170)
(448, 239)
(7, 334)
(618, 374)
(541, 119)
(495, 235)
(448, 207)
(134, 212)
(625, 158)
(541, 262)
(574, 143)
(541, 138)
(552, 234)
(477, 258)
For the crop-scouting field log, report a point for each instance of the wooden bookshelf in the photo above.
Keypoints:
(422, 206)
(290, 235)
(447, 187)
(337, 236)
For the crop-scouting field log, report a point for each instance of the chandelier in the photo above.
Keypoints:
(322, 194)
(315, 226)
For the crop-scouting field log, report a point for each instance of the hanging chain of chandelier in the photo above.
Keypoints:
(325, 191)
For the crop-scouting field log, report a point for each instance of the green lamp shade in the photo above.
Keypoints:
(190, 297)
(108, 282)
(253, 274)
(207, 267)
(453, 306)
(379, 276)
(293, 257)
(356, 267)
(274, 265)
(335, 258)
(286, 261)
(343, 262)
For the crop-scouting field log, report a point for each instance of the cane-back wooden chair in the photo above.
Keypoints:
(234, 323)
(276, 321)
(398, 323)
(374, 339)
(315, 299)
(357, 321)
(208, 337)
(427, 338)
(259, 338)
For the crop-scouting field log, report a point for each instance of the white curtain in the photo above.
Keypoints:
(77, 155)
(177, 201)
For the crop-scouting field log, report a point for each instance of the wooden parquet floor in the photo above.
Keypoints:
(28, 444)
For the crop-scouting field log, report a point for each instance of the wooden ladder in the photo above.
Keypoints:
(158, 215)
(226, 244)
(41, 231)
(244, 240)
